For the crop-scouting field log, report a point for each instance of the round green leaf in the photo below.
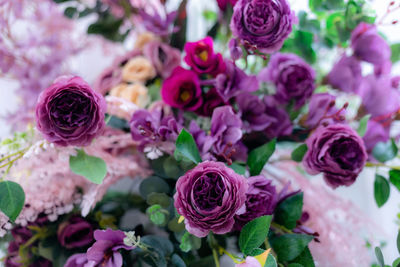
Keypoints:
(92, 168)
(12, 199)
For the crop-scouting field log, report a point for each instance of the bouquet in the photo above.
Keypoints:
(221, 151)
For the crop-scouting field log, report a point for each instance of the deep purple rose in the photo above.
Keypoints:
(282, 125)
(253, 112)
(182, 90)
(264, 24)
(75, 233)
(322, 111)
(293, 77)
(338, 152)
(209, 196)
(378, 96)
(261, 199)
(211, 100)
(234, 82)
(369, 46)
(200, 56)
(163, 57)
(69, 112)
(346, 74)
(375, 133)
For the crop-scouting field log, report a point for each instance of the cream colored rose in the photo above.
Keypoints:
(136, 93)
(144, 38)
(138, 69)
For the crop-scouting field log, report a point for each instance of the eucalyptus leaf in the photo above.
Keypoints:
(271, 261)
(92, 168)
(381, 190)
(254, 233)
(385, 151)
(189, 242)
(12, 199)
(153, 184)
(259, 157)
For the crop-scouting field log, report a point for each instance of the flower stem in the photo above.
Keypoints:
(281, 228)
(215, 255)
(379, 164)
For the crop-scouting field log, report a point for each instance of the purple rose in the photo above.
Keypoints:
(346, 74)
(201, 58)
(234, 82)
(375, 133)
(163, 57)
(69, 112)
(226, 130)
(322, 110)
(263, 24)
(378, 96)
(293, 77)
(209, 196)
(282, 125)
(75, 233)
(261, 199)
(182, 90)
(368, 45)
(253, 112)
(211, 100)
(338, 152)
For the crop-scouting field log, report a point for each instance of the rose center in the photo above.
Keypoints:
(347, 153)
(208, 191)
(260, 17)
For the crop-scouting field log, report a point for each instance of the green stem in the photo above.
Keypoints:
(13, 154)
(215, 255)
(379, 164)
(230, 255)
(281, 228)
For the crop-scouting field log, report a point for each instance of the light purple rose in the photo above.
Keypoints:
(163, 57)
(262, 24)
(261, 199)
(322, 111)
(375, 133)
(234, 82)
(346, 74)
(338, 152)
(293, 77)
(378, 96)
(208, 197)
(69, 112)
(369, 46)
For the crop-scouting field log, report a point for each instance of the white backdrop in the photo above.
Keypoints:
(361, 193)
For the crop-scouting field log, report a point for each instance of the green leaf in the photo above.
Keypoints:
(70, 12)
(362, 127)
(12, 199)
(379, 256)
(398, 241)
(289, 246)
(395, 178)
(186, 148)
(396, 263)
(238, 168)
(153, 184)
(385, 151)
(258, 157)
(177, 261)
(159, 198)
(159, 243)
(189, 242)
(254, 233)
(271, 261)
(289, 211)
(381, 190)
(92, 168)
(295, 265)
(256, 252)
(305, 258)
(156, 214)
(210, 15)
(395, 52)
(299, 152)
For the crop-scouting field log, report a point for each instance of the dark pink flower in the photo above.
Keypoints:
(211, 100)
(209, 196)
(201, 58)
(223, 4)
(182, 90)
(70, 112)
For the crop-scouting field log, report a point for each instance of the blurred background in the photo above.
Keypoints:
(94, 60)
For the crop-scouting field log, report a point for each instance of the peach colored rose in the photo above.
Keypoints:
(143, 39)
(138, 69)
(135, 93)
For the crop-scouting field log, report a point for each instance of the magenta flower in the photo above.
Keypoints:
(369, 46)
(164, 57)
(223, 4)
(201, 58)
(261, 199)
(211, 100)
(338, 152)
(182, 90)
(75, 233)
(346, 74)
(209, 196)
(69, 112)
(262, 24)
(293, 77)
